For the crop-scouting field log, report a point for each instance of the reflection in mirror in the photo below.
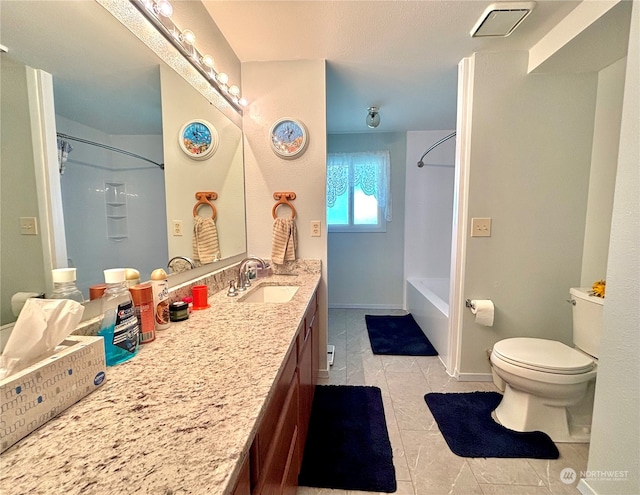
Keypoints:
(108, 88)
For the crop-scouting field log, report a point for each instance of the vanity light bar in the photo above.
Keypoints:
(184, 41)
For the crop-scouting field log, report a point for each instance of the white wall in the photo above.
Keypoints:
(616, 415)
(602, 178)
(429, 205)
(294, 89)
(365, 268)
(530, 155)
(22, 261)
(88, 168)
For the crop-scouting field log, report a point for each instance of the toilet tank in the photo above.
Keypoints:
(587, 320)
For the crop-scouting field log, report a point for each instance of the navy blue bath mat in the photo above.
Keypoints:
(466, 424)
(348, 445)
(398, 336)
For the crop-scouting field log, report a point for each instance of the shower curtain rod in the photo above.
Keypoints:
(420, 162)
(110, 148)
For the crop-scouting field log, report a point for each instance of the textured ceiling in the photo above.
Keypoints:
(399, 55)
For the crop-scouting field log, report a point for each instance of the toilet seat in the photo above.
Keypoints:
(543, 355)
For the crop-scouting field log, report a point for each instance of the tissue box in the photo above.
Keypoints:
(40, 392)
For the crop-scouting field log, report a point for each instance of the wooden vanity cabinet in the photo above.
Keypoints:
(276, 452)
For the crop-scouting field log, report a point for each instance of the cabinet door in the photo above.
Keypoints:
(316, 352)
(280, 459)
(243, 485)
(305, 374)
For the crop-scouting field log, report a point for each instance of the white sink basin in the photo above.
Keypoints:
(271, 294)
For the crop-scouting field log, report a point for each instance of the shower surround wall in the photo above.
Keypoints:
(428, 225)
(87, 170)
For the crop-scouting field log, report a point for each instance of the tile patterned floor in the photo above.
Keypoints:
(423, 462)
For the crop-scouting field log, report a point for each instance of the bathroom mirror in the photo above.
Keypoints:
(119, 210)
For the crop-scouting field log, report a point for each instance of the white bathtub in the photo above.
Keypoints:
(428, 302)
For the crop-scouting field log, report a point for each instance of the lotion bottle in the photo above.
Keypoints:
(160, 286)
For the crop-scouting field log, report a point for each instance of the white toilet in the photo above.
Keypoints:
(548, 385)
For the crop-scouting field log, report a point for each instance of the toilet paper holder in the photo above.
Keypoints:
(469, 304)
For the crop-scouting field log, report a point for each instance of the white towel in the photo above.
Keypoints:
(205, 240)
(285, 240)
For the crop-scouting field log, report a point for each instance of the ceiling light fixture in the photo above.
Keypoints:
(501, 19)
(159, 12)
(373, 117)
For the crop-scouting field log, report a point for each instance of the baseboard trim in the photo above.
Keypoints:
(474, 377)
(364, 306)
(584, 487)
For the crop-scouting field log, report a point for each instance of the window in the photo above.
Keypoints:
(358, 191)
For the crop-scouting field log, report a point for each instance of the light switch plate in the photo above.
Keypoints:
(28, 226)
(480, 227)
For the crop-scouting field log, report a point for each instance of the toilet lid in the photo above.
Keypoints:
(543, 355)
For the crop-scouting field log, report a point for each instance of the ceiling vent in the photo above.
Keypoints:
(500, 19)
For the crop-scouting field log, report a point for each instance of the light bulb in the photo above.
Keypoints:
(234, 90)
(208, 61)
(243, 102)
(188, 37)
(164, 8)
(223, 78)
(373, 117)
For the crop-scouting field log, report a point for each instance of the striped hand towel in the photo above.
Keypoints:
(285, 240)
(205, 240)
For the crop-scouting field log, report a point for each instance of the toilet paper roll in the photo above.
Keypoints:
(18, 300)
(483, 309)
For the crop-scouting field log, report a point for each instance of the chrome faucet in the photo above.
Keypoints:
(243, 276)
(184, 258)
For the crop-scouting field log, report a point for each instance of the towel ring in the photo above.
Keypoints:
(283, 199)
(203, 198)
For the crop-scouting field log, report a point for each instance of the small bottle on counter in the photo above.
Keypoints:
(133, 276)
(119, 326)
(64, 285)
(142, 295)
(160, 286)
(179, 311)
(96, 291)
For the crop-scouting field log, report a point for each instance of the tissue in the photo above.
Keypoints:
(41, 326)
(484, 311)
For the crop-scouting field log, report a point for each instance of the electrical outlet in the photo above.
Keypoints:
(28, 226)
(480, 227)
(177, 227)
(315, 228)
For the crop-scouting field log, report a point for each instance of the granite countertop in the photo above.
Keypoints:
(176, 419)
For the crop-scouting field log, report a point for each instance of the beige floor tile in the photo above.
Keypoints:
(405, 488)
(504, 471)
(573, 456)
(435, 470)
(514, 490)
(407, 392)
(399, 459)
(306, 490)
(401, 364)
